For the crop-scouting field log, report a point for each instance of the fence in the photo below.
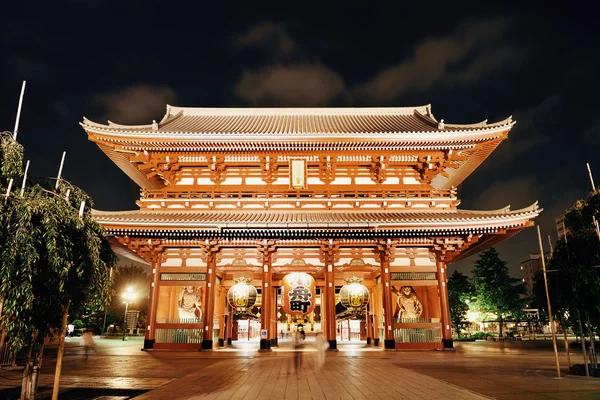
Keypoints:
(417, 335)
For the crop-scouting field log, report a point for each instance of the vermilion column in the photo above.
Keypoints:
(444, 305)
(330, 304)
(150, 336)
(388, 312)
(229, 324)
(265, 316)
(273, 313)
(209, 297)
(328, 249)
(369, 322)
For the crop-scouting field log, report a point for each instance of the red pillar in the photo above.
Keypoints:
(388, 312)
(444, 305)
(265, 315)
(330, 304)
(150, 336)
(369, 322)
(209, 297)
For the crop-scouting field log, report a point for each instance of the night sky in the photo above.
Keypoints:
(125, 60)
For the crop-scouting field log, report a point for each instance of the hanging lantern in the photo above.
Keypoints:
(354, 295)
(242, 296)
(298, 293)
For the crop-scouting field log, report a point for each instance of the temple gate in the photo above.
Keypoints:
(256, 194)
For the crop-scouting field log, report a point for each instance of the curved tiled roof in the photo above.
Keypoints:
(296, 123)
(397, 220)
(250, 130)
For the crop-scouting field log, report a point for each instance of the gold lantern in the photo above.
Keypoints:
(242, 296)
(354, 295)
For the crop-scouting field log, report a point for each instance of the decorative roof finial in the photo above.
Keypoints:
(441, 124)
(154, 125)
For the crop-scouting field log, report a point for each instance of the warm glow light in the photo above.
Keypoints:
(129, 295)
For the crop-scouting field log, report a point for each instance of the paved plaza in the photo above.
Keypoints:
(516, 370)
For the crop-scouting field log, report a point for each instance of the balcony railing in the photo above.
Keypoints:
(304, 194)
(413, 276)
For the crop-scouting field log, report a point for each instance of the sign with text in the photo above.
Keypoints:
(298, 174)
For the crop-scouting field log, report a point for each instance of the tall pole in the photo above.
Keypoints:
(111, 282)
(62, 162)
(591, 178)
(125, 320)
(24, 178)
(19, 111)
(596, 226)
(552, 327)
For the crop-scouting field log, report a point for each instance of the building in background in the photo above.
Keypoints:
(529, 266)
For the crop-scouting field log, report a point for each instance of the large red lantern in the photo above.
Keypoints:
(298, 293)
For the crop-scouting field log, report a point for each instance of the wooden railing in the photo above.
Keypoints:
(413, 276)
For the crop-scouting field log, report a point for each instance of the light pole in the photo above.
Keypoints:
(128, 297)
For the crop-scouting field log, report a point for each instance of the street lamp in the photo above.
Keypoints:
(128, 297)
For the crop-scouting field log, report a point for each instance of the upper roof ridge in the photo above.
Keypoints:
(245, 111)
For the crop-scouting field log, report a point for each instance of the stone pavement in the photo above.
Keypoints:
(341, 377)
(499, 370)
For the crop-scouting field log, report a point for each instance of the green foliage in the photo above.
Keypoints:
(460, 290)
(11, 154)
(51, 260)
(576, 285)
(497, 291)
(480, 335)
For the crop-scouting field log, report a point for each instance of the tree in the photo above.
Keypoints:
(460, 290)
(53, 260)
(497, 291)
(575, 287)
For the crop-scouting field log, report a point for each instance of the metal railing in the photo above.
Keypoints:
(417, 335)
(179, 320)
(414, 320)
(179, 336)
(7, 357)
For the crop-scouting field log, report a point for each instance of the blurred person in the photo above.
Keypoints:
(298, 345)
(87, 341)
(322, 345)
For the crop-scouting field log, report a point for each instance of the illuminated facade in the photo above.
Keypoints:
(334, 193)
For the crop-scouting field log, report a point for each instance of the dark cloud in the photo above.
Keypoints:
(519, 192)
(466, 55)
(299, 85)
(271, 37)
(137, 104)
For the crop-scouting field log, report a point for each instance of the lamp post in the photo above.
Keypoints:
(128, 297)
